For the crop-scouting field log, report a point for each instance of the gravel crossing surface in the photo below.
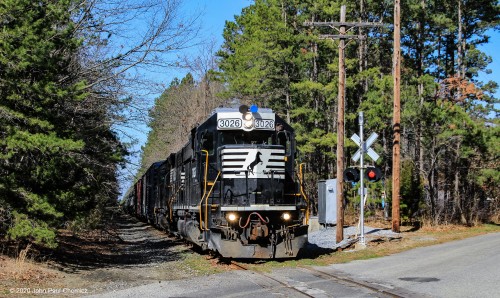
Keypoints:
(325, 237)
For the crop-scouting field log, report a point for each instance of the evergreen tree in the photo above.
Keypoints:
(444, 108)
(58, 154)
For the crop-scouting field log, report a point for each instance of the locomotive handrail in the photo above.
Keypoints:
(205, 175)
(204, 184)
(301, 182)
(171, 201)
(206, 201)
(205, 198)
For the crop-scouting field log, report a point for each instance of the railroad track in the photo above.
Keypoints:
(284, 284)
(385, 292)
(305, 291)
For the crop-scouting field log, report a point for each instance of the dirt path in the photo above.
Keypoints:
(138, 255)
(130, 253)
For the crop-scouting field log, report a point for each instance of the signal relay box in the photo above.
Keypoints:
(327, 202)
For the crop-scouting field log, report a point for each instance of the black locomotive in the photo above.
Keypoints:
(232, 188)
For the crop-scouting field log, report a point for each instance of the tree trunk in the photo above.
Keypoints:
(461, 44)
(420, 53)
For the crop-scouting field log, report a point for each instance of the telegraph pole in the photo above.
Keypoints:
(343, 27)
(396, 220)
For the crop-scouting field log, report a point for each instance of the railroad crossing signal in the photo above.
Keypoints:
(373, 174)
(371, 153)
(351, 175)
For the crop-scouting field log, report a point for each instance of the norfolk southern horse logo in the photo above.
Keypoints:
(255, 162)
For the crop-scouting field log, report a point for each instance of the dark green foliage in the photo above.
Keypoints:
(57, 154)
(269, 57)
(411, 191)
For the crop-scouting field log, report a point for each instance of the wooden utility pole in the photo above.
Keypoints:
(340, 131)
(396, 220)
(343, 27)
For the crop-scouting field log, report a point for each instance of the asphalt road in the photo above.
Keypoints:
(465, 268)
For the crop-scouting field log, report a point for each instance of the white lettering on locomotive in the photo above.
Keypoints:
(234, 121)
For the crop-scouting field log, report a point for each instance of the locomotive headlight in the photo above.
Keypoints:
(286, 216)
(231, 217)
(247, 116)
(248, 123)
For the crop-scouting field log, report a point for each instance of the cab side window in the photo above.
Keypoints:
(207, 142)
(283, 138)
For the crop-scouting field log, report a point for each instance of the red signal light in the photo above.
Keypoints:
(373, 174)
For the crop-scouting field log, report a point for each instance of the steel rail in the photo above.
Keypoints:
(326, 276)
(384, 292)
(272, 278)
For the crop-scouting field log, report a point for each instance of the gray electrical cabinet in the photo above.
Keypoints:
(327, 202)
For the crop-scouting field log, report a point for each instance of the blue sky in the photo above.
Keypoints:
(216, 12)
(214, 15)
(492, 49)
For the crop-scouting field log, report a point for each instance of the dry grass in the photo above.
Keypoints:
(444, 228)
(22, 272)
(204, 264)
(22, 269)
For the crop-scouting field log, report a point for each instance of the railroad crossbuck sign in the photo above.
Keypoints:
(371, 153)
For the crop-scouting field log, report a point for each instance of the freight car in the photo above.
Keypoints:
(233, 188)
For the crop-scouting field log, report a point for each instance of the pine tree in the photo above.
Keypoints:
(58, 155)
(445, 109)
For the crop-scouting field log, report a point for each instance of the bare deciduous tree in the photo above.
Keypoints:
(128, 45)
